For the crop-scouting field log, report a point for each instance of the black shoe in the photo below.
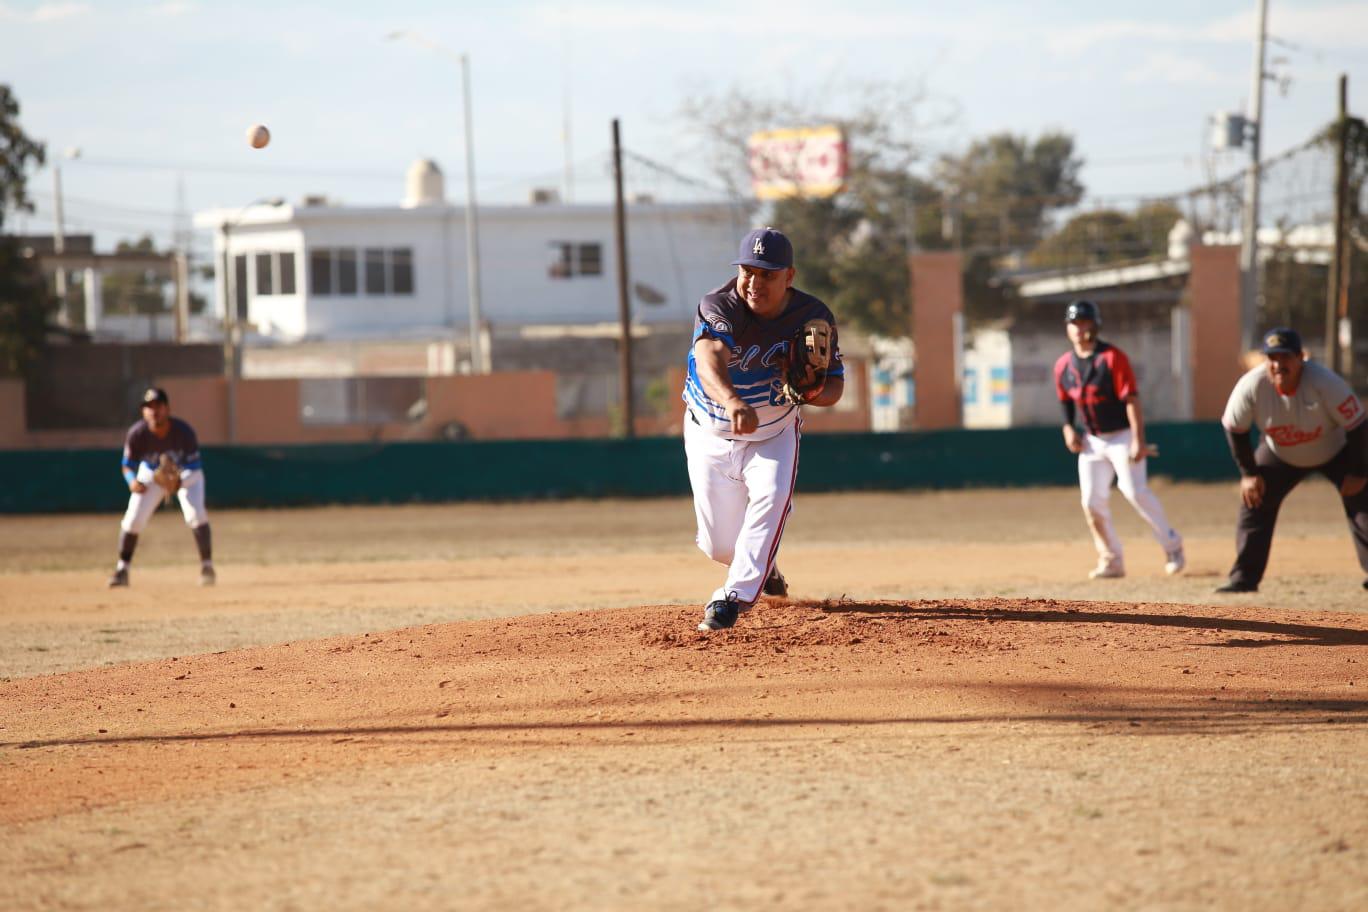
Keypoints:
(720, 614)
(120, 578)
(775, 584)
(1242, 586)
(207, 576)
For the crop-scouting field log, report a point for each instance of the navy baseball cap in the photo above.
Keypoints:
(155, 394)
(765, 248)
(1282, 340)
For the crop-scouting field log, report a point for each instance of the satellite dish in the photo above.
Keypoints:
(648, 295)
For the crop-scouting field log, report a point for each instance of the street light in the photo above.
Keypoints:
(477, 361)
(232, 328)
(58, 229)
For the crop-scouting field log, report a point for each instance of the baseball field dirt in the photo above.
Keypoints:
(507, 706)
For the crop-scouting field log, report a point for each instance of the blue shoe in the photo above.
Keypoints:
(720, 614)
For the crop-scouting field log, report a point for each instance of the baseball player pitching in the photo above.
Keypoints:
(761, 351)
(1095, 383)
(161, 458)
(1310, 421)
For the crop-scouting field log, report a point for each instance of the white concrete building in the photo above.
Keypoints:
(324, 272)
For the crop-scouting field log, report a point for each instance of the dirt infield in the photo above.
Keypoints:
(507, 707)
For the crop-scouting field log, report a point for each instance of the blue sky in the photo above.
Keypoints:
(158, 94)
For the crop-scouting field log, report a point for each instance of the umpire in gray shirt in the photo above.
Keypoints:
(1309, 420)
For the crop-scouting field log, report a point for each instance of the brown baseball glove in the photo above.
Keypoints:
(167, 476)
(807, 362)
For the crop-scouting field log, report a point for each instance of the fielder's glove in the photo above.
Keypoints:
(805, 364)
(167, 476)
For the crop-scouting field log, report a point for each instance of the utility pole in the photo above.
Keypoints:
(479, 360)
(1249, 239)
(1336, 305)
(624, 309)
(58, 237)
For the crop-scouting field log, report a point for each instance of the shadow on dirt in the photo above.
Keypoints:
(1288, 634)
(1133, 716)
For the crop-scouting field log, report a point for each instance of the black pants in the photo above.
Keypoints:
(1254, 530)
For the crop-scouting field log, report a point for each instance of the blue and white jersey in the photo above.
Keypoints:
(754, 366)
(144, 448)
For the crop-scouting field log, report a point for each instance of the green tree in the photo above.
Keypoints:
(851, 249)
(25, 305)
(1000, 192)
(1108, 236)
(139, 291)
(134, 291)
(25, 308)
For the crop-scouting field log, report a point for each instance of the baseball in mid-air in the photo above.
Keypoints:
(258, 136)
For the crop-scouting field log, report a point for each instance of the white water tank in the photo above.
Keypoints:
(424, 185)
(1180, 238)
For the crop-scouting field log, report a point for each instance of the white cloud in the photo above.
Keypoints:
(729, 21)
(54, 12)
(1079, 38)
(173, 8)
(1332, 25)
(43, 12)
(1181, 69)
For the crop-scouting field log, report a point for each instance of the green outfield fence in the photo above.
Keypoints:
(50, 481)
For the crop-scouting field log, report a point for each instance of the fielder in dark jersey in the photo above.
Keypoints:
(1096, 387)
(740, 432)
(159, 434)
(1094, 382)
(143, 447)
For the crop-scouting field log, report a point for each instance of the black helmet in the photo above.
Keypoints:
(1082, 310)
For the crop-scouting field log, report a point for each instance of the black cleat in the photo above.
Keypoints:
(207, 576)
(120, 578)
(1238, 586)
(775, 584)
(720, 614)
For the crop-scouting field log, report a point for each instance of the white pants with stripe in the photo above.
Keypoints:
(1107, 456)
(142, 506)
(743, 494)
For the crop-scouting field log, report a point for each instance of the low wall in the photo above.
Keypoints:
(510, 405)
(428, 472)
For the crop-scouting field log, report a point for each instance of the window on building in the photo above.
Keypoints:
(287, 274)
(590, 259)
(346, 271)
(401, 271)
(240, 285)
(320, 271)
(375, 271)
(571, 259)
(339, 271)
(265, 282)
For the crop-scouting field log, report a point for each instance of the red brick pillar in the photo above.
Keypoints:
(937, 297)
(1214, 298)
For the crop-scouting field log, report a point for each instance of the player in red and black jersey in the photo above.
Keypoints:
(1096, 386)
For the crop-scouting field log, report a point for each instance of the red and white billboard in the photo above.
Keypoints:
(807, 161)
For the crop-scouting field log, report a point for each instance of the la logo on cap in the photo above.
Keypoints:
(759, 248)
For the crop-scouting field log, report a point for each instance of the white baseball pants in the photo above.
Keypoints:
(743, 494)
(142, 506)
(1105, 457)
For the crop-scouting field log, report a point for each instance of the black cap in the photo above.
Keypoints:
(765, 248)
(1082, 310)
(1282, 340)
(155, 394)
